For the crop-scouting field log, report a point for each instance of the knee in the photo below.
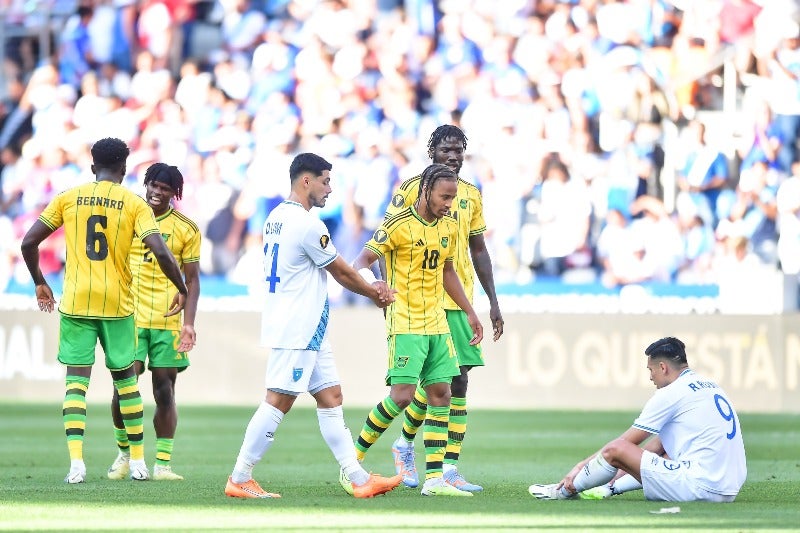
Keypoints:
(612, 451)
(163, 393)
(458, 387)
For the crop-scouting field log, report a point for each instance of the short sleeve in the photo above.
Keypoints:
(477, 224)
(145, 220)
(381, 241)
(317, 244)
(191, 250)
(403, 197)
(53, 214)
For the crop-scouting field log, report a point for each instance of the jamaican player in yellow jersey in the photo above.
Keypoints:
(447, 145)
(101, 219)
(163, 341)
(418, 244)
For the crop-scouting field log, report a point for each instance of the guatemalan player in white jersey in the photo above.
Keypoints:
(696, 452)
(297, 253)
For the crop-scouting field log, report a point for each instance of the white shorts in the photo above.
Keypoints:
(673, 481)
(297, 371)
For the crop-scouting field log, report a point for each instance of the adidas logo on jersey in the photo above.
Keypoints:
(419, 243)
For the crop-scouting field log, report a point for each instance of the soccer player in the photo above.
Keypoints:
(101, 219)
(695, 450)
(162, 340)
(297, 253)
(419, 245)
(446, 146)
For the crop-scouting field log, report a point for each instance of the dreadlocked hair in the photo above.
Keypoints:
(110, 153)
(167, 174)
(431, 175)
(443, 132)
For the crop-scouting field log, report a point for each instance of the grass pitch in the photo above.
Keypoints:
(505, 451)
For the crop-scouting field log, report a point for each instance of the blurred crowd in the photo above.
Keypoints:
(600, 133)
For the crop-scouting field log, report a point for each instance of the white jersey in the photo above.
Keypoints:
(697, 424)
(297, 247)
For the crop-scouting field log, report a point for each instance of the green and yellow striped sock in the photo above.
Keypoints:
(130, 405)
(414, 415)
(456, 429)
(435, 437)
(122, 440)
(163, 451)
(74, 414)
(377, 421)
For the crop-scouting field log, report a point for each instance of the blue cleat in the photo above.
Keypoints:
(404, 462)
(457, 480)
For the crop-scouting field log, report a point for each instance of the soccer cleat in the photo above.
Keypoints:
(248, 489)
(77, 474)
(549, 492)
(120, 468)
(597, 493)
(457, 480)
(344, 481)
(165, 473)
(139, 471)
(438, 487)
(376, 486)
(404, 462)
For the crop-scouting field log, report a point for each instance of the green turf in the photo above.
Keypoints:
(505, 451)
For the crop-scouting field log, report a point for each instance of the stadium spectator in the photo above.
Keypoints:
(685, 445)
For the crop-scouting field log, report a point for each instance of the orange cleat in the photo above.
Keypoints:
(376, 486)
(248, 489)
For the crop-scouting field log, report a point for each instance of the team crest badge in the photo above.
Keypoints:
(401, 361)
(165, 236)
(380, 236)
(323, 241)
(462, 204)
(297, 373)
(445, 241)
(398, 200)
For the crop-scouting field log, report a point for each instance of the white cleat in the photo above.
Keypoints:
(139, 471)
(77, 474)
(549, 492)
(165, 473)
(120, 468)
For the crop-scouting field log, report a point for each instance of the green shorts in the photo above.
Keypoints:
(421, 358)
(77, 338)
(159, 348)
(462, 334)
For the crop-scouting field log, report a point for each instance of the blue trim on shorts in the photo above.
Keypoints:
(316, 341)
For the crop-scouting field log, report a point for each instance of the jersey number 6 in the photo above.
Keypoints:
(96, 241)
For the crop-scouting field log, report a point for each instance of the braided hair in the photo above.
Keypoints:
(166, 174)
(443, 132)
(430, 176)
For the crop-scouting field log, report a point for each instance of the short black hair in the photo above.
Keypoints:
(668, 348)
(308, 162)
(110, 153)
(443, 132)
(167, 174)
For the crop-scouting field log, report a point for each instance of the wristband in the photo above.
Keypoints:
(368, 276)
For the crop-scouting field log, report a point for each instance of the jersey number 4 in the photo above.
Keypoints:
(96, 241)
(272, 278)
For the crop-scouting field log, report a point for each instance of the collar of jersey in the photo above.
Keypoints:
(419, 217)
(290, 202)
(165, 215)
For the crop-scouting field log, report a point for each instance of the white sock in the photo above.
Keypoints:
(258, 437)
(134, 464)
(447, 468)
(626, 483)
(338, 438)
(77, 464)
(596, 472)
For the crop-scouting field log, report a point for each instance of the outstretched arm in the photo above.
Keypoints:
(351, 279)
(30, 253)
(170, 267)
(483, 268)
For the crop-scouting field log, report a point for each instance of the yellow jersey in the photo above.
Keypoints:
(152, 290)
(415, 252)
(467, 211)
(100, 221)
